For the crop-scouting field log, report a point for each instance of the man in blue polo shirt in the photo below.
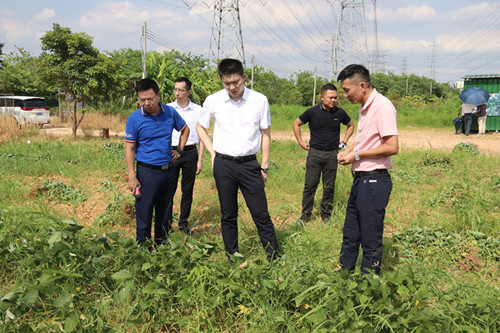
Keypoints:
(324, 124)
(148, 139)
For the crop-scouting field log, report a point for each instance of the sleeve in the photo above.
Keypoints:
(345, 117)
(387, 123)
(305, 117)
(265, 119)
(206, 113)
(130, 130)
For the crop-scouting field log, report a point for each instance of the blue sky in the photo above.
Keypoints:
(283, 36)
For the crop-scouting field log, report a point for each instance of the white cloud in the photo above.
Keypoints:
(46, 14)
(473, 10)
(396, 45)
(14, 29)
(123, 17)
(410, 13)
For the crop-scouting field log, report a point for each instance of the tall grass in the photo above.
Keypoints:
(439, 272)
(410, 114)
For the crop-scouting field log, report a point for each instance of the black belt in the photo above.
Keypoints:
(186, 148)
(155, 167)
(358, 174)
(325, 149)
(237, 159)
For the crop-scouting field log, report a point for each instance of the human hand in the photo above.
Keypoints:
(199, 167)
(133, 182)
(175, 155)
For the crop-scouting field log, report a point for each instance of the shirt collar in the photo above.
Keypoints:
(189, 107)
(323, 109)
(370, 99)
(246, 91)
(145, 114)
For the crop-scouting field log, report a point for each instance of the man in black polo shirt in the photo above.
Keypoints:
(324, 125)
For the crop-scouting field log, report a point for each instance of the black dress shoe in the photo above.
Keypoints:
(186, 230)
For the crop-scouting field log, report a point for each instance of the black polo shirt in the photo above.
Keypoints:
(324, 126)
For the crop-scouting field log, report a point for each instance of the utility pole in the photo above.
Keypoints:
(144, 50)
(253, 64)
(226, 29)
(314, 89)
(433, 64)
(350, 41)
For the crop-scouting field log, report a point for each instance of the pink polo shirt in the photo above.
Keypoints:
(377, 120)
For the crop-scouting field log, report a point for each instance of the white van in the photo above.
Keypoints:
(26, 109)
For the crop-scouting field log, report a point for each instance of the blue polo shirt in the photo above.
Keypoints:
(153, 134)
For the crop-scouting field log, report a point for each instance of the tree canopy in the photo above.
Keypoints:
(105, 80)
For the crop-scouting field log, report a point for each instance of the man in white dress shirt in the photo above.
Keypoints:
(190, 161)
(242, 121)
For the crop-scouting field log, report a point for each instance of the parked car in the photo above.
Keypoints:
(26, 109)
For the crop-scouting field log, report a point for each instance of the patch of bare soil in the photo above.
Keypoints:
(418, 138)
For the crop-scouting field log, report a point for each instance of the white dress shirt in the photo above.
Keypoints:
(190, 115)
(237, 125)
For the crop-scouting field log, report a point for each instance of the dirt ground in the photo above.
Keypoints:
(409, 138)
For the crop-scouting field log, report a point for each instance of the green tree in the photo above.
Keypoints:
(21, 75)
(166, 67)
(72, 64)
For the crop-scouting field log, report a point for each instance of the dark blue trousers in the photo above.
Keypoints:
(364, 222)
(186, 166)
(156, 194)
(229, 176)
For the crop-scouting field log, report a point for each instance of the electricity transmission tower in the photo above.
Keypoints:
(226, 38)
(432, 71)
(350, 42)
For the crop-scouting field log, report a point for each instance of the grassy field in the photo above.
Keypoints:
(69, 261)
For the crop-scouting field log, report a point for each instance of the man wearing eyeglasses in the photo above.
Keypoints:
(148, 140)
(242, 125)
(191, 161)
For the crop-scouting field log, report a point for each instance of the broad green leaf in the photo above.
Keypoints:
(30, 297)
(64, 300)
(316, 316)
(54, 238)
(402, 290)
(71, 323)
(122, 276)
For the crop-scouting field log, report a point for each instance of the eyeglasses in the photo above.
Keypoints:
(179, 90)
(143, 101)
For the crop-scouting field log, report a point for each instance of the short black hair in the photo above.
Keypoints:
(230, 66)
(185, 80)
(146, 84)
(357, 72)
(328, 86)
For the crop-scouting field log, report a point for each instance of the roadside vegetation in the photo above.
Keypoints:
(70, 262)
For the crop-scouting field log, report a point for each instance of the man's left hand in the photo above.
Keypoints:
(345, 158)
(264, 176)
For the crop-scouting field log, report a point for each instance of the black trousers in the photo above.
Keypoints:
(319, 164)
(156, 193)
(229, 176)
(364, 222)
(185, 166)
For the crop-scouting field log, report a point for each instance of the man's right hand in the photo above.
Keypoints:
(133, 182)
(304, 145)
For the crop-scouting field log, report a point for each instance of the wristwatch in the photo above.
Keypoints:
(178, 150)
(266, 170)
(356, 156)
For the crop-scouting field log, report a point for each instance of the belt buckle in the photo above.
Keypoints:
(165, 167)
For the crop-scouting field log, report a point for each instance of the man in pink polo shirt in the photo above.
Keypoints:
(371, 156)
